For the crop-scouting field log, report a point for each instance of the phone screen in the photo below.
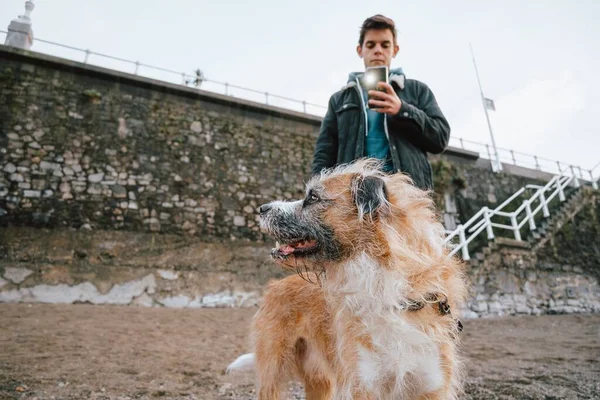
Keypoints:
(372, 77)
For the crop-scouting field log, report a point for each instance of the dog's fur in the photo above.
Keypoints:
(371, 246)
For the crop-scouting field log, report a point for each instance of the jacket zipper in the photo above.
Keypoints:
(392, 146)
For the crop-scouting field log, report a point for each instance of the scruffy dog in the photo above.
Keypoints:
(372, 314)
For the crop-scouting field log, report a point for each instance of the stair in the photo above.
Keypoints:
(567, 211)
(545, 229)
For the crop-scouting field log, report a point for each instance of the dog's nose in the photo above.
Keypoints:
(264, 209)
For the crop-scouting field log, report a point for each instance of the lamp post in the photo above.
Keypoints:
(487, 117)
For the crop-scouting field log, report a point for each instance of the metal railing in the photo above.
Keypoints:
(167, 75)
(483, 219)
(517, 158)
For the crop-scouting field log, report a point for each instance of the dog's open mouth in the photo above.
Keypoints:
(297, 248)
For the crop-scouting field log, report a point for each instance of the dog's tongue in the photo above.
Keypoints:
(286, 249)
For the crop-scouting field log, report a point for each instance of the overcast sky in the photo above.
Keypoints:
(538, 60)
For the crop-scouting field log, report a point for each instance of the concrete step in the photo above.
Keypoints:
(506, 242)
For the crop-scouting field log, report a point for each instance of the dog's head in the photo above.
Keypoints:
(345, 211)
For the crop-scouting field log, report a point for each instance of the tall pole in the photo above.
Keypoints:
(487, 117)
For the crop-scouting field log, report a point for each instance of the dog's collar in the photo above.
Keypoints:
(431, 298)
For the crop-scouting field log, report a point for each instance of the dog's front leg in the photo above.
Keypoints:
(317, 390)
(437, 395)
(353, 392)
(358, 394)
(269, 393)
(361, 395)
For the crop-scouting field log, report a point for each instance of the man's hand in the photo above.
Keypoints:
(388, 102)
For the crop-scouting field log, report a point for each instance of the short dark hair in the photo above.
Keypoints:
(377, 22)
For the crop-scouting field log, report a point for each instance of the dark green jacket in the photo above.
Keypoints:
(419, 128)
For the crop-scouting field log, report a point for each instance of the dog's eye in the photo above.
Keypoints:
(311, 199)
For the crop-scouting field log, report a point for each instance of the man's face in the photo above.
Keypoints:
(378, 48)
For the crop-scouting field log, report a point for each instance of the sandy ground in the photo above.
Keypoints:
(111, 352)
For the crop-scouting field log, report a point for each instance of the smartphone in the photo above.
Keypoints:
(371, 79)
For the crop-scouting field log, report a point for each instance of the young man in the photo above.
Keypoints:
(406, 125)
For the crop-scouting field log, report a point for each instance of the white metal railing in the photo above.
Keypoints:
(87, 56)
(531, 161)
(168, 75)
(481, 221)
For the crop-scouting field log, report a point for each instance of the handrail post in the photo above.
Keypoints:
(137, 66)
(594, 183)
(183, 78)
(488, 223)
(515, 226)
(561, 192)
(545, 210)
(537, 163)
(529, 215)
(462, 144)
(304, 105)
(462, 243)
(226, 89)
(512, 153)
(575, 180)
(267, 98)
(87, 55)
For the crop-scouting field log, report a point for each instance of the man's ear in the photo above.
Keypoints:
(396, 50)
(359, 51)
(369, 194)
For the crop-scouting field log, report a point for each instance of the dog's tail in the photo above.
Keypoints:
(243, 362)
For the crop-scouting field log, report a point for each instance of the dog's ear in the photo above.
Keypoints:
(369, 194)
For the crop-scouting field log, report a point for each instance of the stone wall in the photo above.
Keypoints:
(86, 147)
(513, 281)
(127, 268)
